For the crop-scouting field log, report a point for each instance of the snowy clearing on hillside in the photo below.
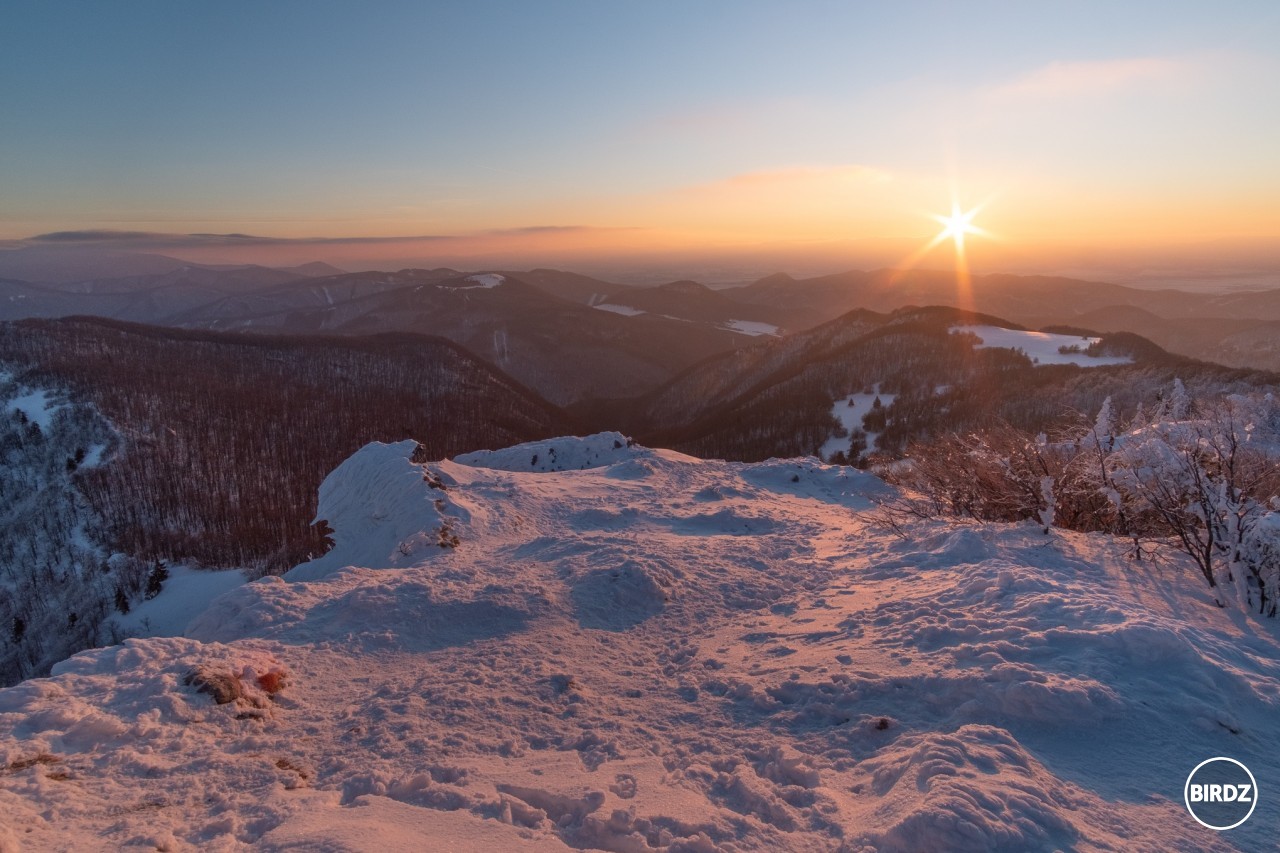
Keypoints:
(487, 280)
(93, 458)
(742, 327)
(850, 411)
(750, 327)
(624, 310)
(1042, 347)
(38, 406)
(185, 595)
(655, 653)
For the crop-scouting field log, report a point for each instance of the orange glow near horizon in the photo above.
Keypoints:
(806, 221)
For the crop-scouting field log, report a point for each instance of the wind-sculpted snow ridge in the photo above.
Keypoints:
(654, 652)
(567, 453)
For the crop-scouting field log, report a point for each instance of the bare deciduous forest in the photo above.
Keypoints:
(211, 450)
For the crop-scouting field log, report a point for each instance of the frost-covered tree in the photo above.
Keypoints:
(1139, 418)
(1104, 426)
(998, 474)
(1179, 401)
(1212, 485)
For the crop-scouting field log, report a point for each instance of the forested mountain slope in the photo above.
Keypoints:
(777, 400)
(223, 438)
(1229, 328)
(564, 350)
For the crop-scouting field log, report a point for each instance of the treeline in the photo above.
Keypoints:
(224, 439)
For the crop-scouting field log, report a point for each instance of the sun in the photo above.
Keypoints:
(958, 224)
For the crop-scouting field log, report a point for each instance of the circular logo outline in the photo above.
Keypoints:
(1186, 793)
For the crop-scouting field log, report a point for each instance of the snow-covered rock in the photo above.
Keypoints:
(381, 506)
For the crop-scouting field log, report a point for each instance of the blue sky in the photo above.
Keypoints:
(306, 119)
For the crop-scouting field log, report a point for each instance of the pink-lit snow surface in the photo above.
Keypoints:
(644, 651)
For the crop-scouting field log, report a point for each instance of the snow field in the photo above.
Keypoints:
(38, 405)
(1042, 347)
(185, 595)
(624, 310)
(752, 327)
(656, 653)
(850, 417)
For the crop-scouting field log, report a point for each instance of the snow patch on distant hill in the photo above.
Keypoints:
(37, 405)
(849, 411)
(487, 280)
(185, 595)
(753, 328)
(624, 310)
(1043, 347)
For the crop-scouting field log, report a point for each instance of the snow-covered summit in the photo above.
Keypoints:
(654, 652)
(566, 453)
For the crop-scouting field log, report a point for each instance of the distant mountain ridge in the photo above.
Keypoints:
(1238, 329)
(777, 399)
(1032, 299)
(1216, 327)
(690, 300)
(230, 432)
(565, 350)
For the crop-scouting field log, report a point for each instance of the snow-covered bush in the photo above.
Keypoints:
(1204, 477)
(1212, 484)
(998, 474)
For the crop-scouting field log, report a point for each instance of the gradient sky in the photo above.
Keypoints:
(1104, 133)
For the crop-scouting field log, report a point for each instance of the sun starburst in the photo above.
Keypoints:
(955, 227)
(958, 224)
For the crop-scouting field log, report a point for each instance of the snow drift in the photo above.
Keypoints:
(628, 649)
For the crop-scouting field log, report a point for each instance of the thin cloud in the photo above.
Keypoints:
(161, 240)
(560, 243)
(95, 236)
(797, 176)
(1070, 79)
(140, 240)
(551, 229)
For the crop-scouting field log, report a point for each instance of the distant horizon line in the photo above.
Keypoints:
(554, 247)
